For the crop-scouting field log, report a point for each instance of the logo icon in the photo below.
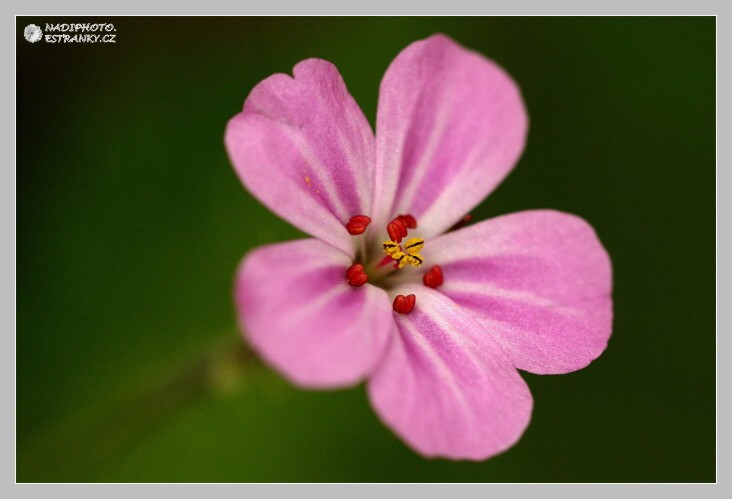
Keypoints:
(32, 33)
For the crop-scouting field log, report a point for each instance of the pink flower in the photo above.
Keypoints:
(440, 339)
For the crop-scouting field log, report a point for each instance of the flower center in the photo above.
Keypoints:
(409, 255)
(399, 251)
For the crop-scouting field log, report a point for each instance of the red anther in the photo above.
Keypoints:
(404, 304)
(437, 271)
(399, 302)
(395, 233)
(361, 219)
(358, 280)
(354, 269)
(408, 220)
(357, 224)
(401, 225)
(433, 278)
(356, 275)
(411, 301)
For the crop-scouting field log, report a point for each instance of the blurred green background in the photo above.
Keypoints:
(131, 223)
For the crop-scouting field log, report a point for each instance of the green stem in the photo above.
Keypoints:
(80, 448)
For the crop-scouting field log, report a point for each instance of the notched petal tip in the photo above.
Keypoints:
(304, 149)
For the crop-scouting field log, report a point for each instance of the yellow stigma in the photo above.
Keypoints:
(391, 248)
(413, 245)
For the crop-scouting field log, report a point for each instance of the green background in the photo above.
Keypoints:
(131, 223)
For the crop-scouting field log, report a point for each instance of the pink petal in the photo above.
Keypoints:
(302, 317)
(451, 124)
(303, 148)
(445, 386)
(538, 281)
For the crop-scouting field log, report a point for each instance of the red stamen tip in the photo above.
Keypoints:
(357, 224)
(433, 278)
(397, 229)
(356, 276)
(408, 220)
(401, 226)
(394, 231)
(411, 301)
(404, 304)
(354, 269)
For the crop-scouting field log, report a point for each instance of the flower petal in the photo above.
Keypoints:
(538, 281)
(445, 386)
(302, 317)
(450, 126)
(303, 147)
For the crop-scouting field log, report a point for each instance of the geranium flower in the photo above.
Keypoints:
(436, 321)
